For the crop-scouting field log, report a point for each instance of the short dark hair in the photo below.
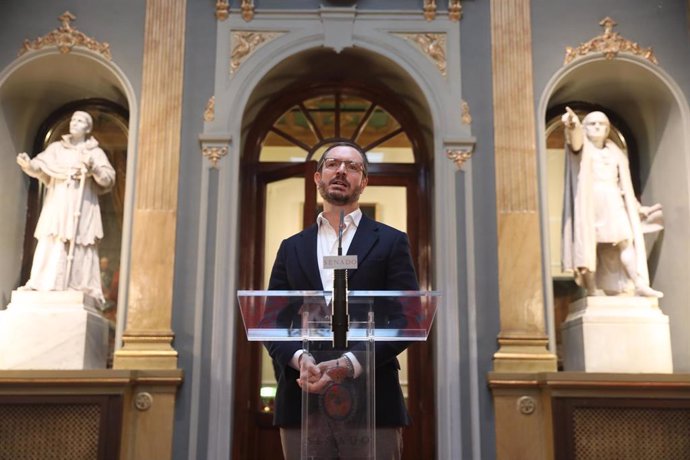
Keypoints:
(365, 160)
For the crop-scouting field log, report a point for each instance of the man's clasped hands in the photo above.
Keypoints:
(315, 378)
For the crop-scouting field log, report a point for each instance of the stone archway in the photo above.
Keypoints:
(260, 53)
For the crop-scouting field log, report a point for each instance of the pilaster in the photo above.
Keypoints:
(148, 336)
(522, 339)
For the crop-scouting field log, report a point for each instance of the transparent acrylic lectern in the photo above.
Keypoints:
(338, 419)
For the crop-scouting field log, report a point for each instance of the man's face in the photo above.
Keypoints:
(79, 125)
(596, 126)
(341, 180)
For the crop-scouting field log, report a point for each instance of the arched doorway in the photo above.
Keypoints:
(279, 198)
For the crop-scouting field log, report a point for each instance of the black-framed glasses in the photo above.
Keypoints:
(333, 164)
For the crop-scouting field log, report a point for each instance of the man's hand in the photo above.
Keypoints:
(23, 160)
(334, 370)
(87, 162)
(309, 373)
(570, 118)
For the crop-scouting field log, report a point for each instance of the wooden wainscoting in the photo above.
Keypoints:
(99, 415)
(577, 415)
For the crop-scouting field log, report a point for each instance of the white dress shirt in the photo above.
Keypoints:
(327, 245)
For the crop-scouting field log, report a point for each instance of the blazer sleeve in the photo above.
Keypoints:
(280, 313)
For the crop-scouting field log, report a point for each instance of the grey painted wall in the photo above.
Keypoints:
(119, 23)
(478, 92)
(661, 24)
(200, 49)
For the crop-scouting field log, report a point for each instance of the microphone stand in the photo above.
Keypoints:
(339, 319)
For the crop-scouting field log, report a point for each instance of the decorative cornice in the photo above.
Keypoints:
(247, 10)
(454, 10)
(429, 10)
(214, 154)
(245, 43)
(609, 44)
(459, 155)
(210, 111)
(433, 45)
(466, 116)
(222, 10)
(65, 38)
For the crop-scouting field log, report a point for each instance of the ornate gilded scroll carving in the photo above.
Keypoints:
(454, 10)
(429, 10)
(609, 44)
(222, 10)
(433, 45)
(459, 155)
(245, 43)
(65, 38)
(466, 116)
(210, 111)
(214, 154)
(247, 10)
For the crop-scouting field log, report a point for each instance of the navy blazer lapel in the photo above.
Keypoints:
(364, 240)
(306, 254)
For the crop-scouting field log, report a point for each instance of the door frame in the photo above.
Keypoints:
(249, 421)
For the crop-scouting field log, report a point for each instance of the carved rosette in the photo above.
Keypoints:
(431, 44)
(609, 44)
(222, 10)
(526, 405)
(459, 155)
(143, 401)
(247, 10)
(429, 10)
(454, 10)
(214, 153)
(210, 111)
(466, 116)
(245, 43)
(65, 38)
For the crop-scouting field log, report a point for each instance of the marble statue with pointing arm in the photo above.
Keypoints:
(603, 222)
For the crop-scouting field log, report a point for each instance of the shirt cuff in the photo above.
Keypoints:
(294, 362)
(355, 364)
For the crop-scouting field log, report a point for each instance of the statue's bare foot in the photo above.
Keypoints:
(25, 288)
(646, 291)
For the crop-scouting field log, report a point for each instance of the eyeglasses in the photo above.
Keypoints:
(333, 164)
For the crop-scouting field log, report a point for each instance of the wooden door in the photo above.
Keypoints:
(271, 169)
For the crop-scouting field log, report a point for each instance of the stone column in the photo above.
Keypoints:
(522, 339)
(148, 336)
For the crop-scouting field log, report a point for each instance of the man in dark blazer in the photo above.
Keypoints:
(384, 263)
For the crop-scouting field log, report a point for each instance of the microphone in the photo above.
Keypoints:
(339, 317)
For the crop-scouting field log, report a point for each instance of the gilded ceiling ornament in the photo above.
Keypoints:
(609, 44)
(214, 154)
(245, 43)
(466, 117)
(459, 155)
(433, 45)
(222, 10)
(210, 112)
(247, 10)
(429, 10)
(454, 10)
(65, 38)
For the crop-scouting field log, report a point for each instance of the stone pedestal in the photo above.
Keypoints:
(52, 330)
(616, 334)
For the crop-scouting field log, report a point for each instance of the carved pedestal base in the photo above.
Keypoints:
(52, 330)
(616, 334)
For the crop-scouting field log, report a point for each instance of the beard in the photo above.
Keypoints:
(339, 198)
